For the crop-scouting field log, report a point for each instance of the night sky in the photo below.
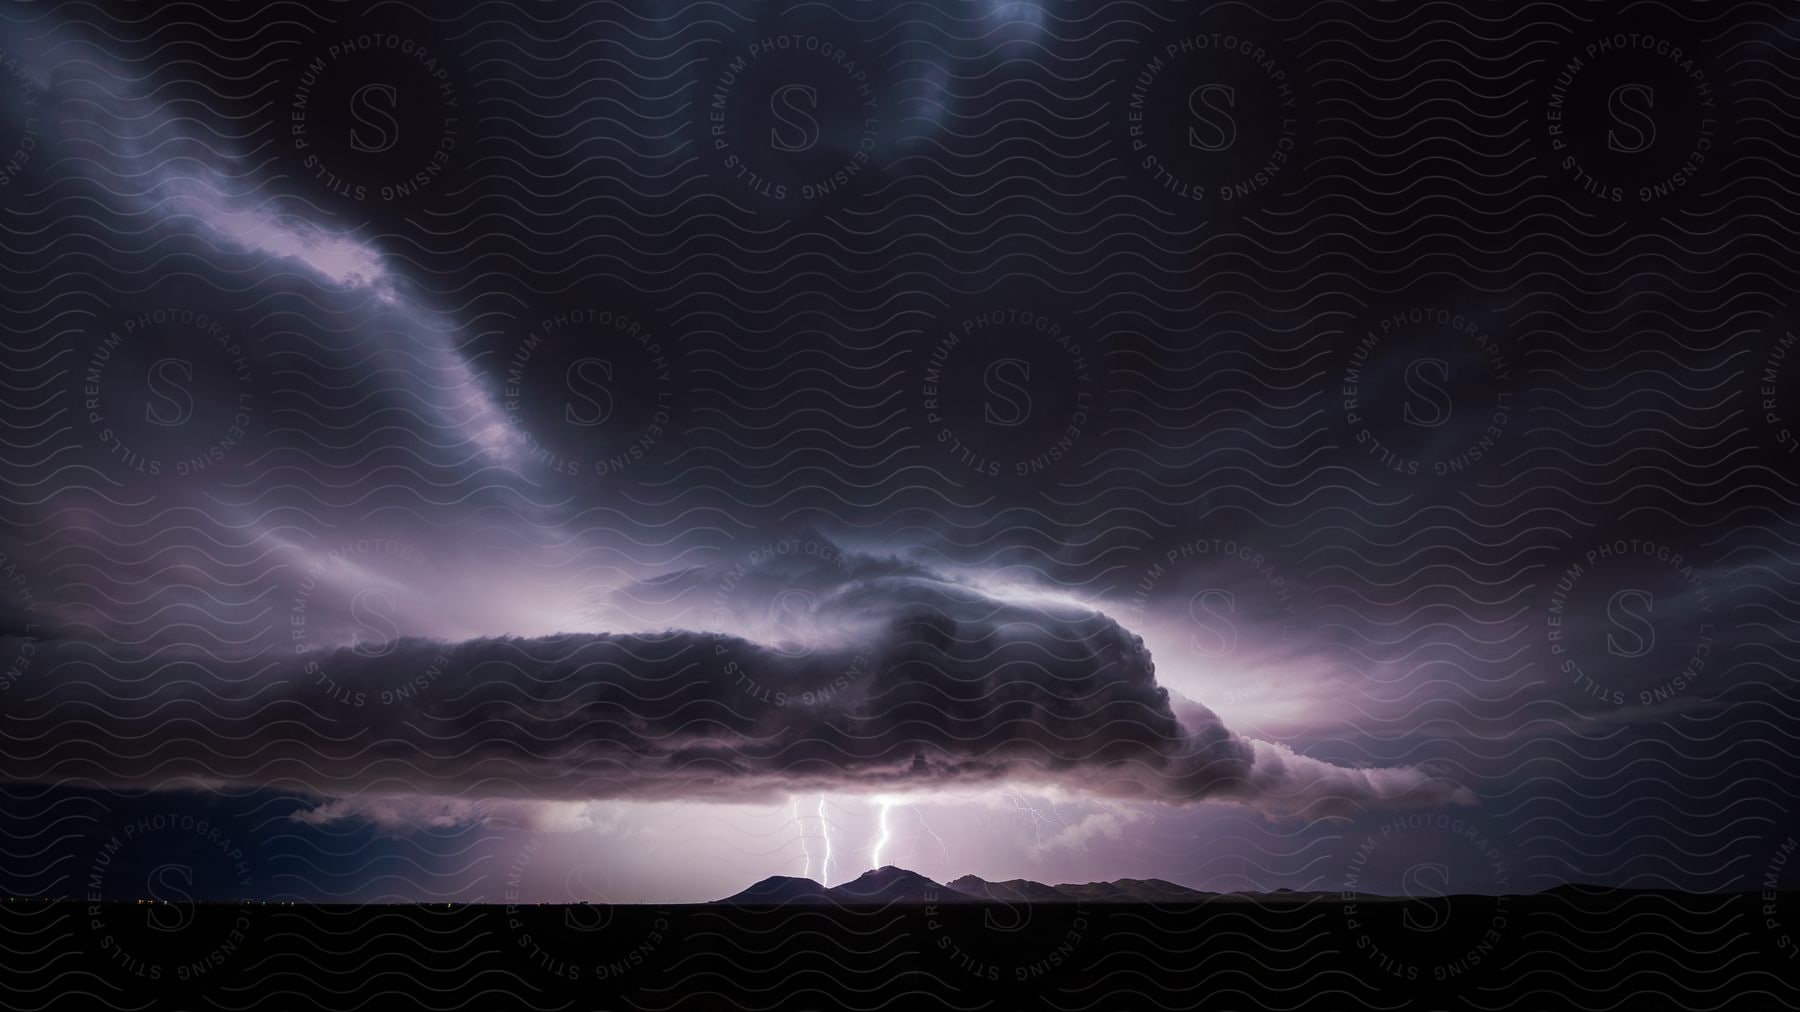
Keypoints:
(621, 451)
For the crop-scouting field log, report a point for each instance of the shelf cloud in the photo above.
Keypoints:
(910, 682)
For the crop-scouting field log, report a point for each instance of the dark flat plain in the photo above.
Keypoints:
(1575, 949)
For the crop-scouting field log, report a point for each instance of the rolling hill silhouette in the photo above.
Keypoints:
(891, 884)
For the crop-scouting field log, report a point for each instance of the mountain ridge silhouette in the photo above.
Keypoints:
(893, 884)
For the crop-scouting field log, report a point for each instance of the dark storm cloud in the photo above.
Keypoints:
(934, 685)
(1420, 515)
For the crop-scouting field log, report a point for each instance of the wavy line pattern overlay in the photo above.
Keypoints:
(1074, 504)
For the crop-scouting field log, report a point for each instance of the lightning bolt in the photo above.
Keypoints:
(881, 841)
(805, 852)
(825, 828)
(927, 826)
(1038, 819)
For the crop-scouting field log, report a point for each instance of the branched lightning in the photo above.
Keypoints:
(942, 846)
(1038, 819)
(805, 851)
(882, 839)
(825, 828)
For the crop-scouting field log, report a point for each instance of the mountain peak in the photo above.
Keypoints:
(887, 884)
(1017, 890)
(780, 889)
(893, 884)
